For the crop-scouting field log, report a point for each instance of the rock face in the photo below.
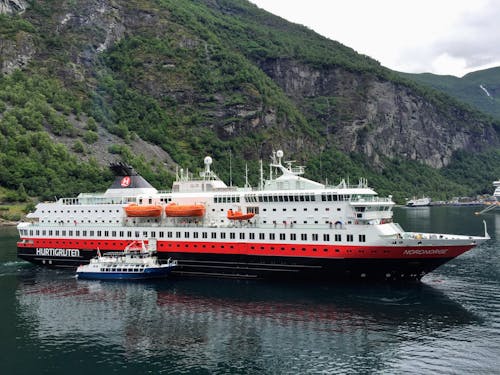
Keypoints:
(356, 112)
(385, 119)
(16, 53)
(12, 6)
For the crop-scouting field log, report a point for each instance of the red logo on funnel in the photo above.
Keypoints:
(125, 182)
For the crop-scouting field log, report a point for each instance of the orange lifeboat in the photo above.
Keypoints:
(238, 215)
(185, 210)
(148, 210)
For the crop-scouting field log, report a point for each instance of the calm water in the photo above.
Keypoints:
(52, 323)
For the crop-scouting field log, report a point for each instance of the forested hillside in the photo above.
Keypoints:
(480, 89)
(164, 83)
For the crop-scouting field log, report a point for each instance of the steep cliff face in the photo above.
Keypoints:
(384, 119)
(12, 6)
(16, 53)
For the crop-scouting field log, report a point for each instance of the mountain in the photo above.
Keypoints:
(481, 89)
(164, 83)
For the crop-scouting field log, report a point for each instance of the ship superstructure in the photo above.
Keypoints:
(288, 227)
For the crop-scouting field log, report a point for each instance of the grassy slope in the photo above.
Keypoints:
(467, 88)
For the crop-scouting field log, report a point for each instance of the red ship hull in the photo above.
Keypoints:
(257, 261)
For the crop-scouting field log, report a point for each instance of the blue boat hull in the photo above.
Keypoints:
(149, 273)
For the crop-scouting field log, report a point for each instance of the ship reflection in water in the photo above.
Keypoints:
(225, 326)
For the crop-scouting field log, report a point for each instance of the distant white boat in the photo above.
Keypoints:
(494, 204)
(419, 202)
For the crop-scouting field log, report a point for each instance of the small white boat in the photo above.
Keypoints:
(135, 262)
(419, 202)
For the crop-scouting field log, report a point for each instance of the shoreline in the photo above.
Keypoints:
(8, 223)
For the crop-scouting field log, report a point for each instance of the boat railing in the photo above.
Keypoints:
(96, 200)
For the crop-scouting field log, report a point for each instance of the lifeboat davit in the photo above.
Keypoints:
(185, 210)
(147, 210)
(238, 215)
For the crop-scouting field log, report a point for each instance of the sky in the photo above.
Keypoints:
(444, 37)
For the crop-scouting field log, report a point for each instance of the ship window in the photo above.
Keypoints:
(204, 235)
(305, 209)
(37, 232)
(362, 238)
(113, 233)
(177, 234)
(99, 233)
(251, 236)
(57, 233)
(242, 236)
(350, 238)
(293, 236)
(169, 234)
(326, 237)
(214, 234)
(50, 233)
(232, 236)
(274, 209)
(137, 234)
(195, 234)
(129, 234)
(186, 234)
(261, 236)
(63, 233)
(303, 236)
(271, 236)
(153, 234)
(161, 234)
(223, 235)
(282, 236)
(315, 236)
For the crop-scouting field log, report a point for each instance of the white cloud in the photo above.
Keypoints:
(443, 36)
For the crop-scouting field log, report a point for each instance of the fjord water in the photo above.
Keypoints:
(52, 323)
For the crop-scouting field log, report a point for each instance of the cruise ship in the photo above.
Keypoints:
(289, 227)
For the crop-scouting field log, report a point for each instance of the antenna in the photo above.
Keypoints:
(230, 170)
(246, 176)
(261, 175)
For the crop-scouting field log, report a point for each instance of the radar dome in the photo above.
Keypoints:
(279, 153)
(207, 160)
